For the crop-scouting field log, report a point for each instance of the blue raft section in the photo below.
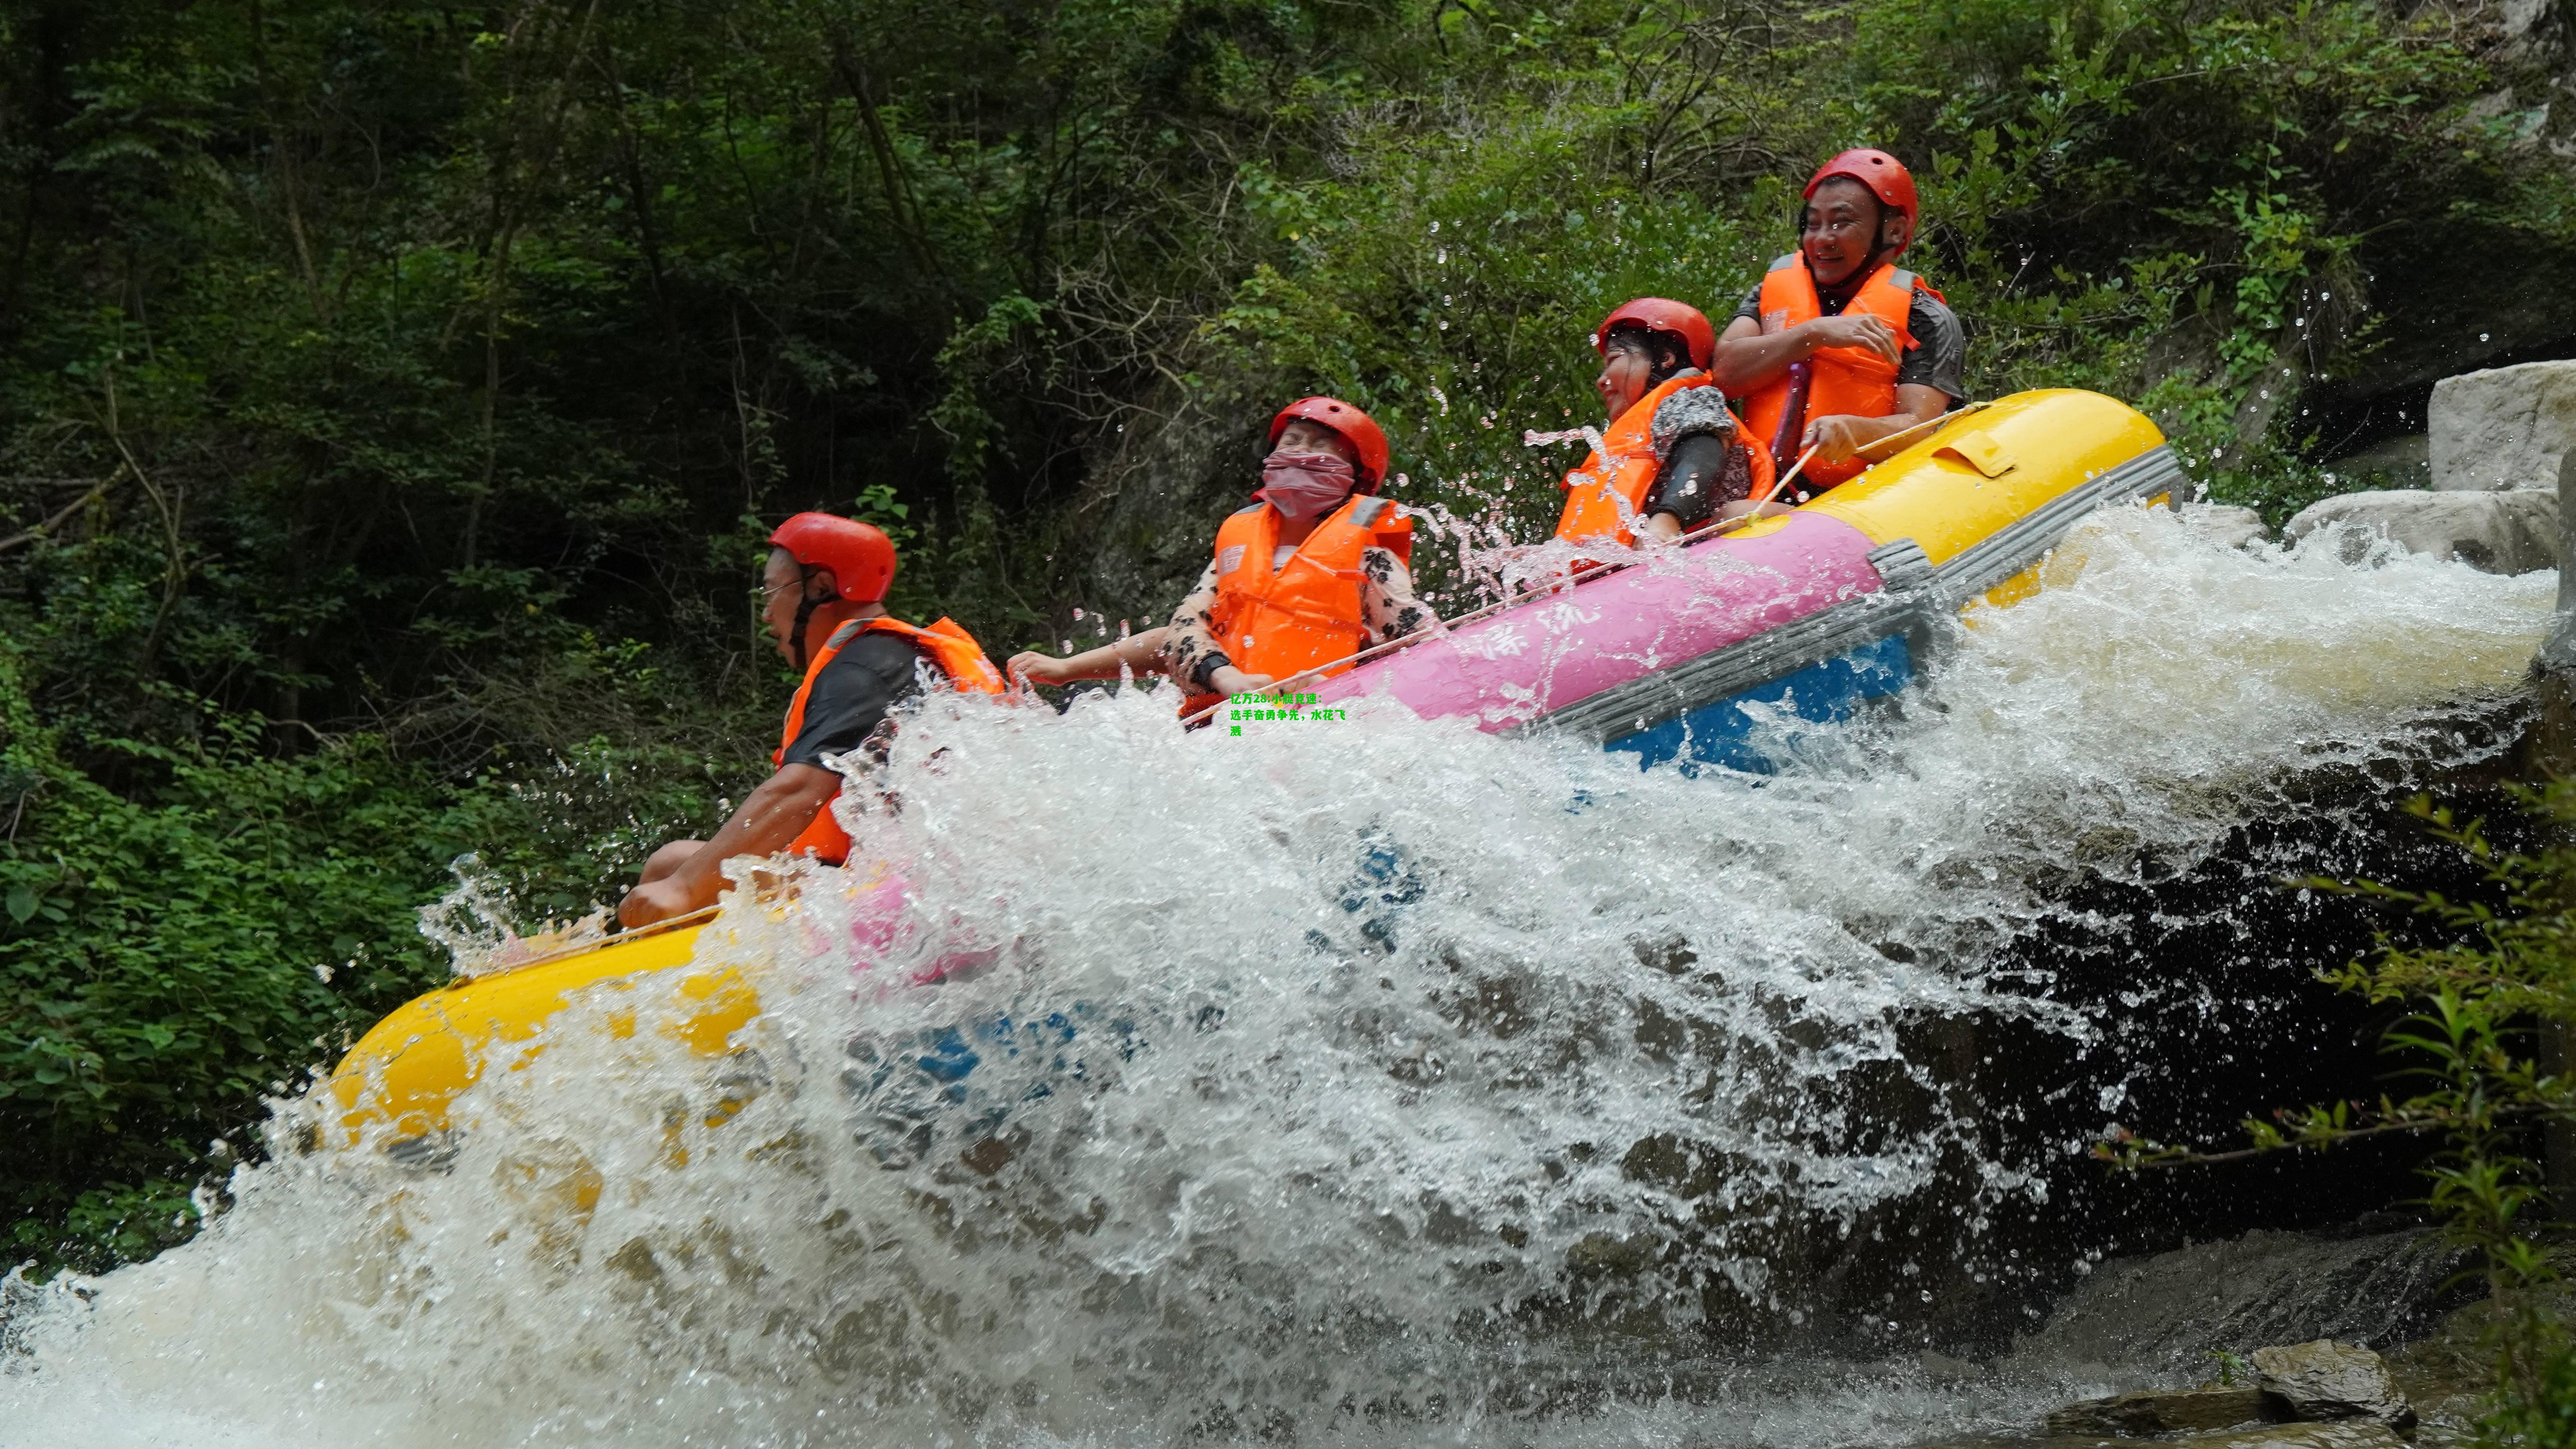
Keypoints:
(1826, 692)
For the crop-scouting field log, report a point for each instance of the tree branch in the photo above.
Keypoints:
(97, 491)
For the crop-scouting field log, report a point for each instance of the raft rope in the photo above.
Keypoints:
(1557, 586)
(1778, 483)
(698, 917)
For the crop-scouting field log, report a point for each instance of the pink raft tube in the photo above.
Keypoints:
(1804, 617)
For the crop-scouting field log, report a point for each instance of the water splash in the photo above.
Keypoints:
(1533, 438)
(1386, 1080)
(476, 924)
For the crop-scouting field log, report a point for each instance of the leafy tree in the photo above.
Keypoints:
(393, 392)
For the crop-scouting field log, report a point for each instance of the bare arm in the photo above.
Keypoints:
(1137, 653)
(1744, 510)
(1747, 358)
(777, 812)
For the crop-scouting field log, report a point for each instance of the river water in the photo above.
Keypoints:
(1369, 1081)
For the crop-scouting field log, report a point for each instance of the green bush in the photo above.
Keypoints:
(2483, 999)
(169, 959)
(173, 956)
(392, 395)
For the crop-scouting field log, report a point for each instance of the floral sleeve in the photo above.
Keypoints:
(1388, 608)
(1191, 652)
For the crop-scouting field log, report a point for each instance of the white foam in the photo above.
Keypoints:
(1365, 1022)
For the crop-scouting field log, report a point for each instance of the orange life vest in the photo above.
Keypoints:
(1595, 492)
(1850, 381)
(949, 647)
(1306, 613)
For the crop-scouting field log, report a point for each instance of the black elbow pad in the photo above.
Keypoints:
(1695, 480)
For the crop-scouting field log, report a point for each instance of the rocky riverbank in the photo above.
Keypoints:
(2355, 1339)
(2487, 489)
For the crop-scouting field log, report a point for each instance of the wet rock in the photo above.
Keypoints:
(2400, 462)
(2350, 1434)
(2234, 527)
(2330, 1380)
(2161, 1317)
(2166, 1412)
(2497, 533)
(2345, 1434)
(2503, 428)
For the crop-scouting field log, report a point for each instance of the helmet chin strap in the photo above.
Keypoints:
(1880, 249)
(1883, 248)
(806, 603)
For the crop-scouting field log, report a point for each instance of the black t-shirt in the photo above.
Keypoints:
(1939, 356)
(872, 674)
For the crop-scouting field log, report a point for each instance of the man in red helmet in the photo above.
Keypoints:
(1672, 454)
(823, 597)
(1316, 570)
(1838, 347)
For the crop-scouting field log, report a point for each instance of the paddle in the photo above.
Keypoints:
(1781, 482)
(1884, 449)
(698, 917)
(1437, 626)
(1875, 452)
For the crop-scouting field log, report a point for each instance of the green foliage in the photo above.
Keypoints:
(2502, 976)
(2159, 201)
(1458, 312)
(173, 955)
(556, 839)
(394, 397)
(2538, 1408)
(167, 961)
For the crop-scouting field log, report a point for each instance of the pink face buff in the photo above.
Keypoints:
(1305, 485)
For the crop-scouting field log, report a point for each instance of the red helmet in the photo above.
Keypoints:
(1884, 175)
(1357, 428)
(1662, 314)
(860, 556)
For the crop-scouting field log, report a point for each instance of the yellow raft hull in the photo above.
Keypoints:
(404, 1076)
(1976, 477)
(1963, 493)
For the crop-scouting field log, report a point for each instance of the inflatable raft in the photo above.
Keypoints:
(399, 1081)
(1815, 613)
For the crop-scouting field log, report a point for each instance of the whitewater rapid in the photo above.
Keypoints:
(1371, 1080)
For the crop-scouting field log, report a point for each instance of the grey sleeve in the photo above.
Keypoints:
(1751, 311)
(1698, 465)
(1692, 411)
(1939, 356)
